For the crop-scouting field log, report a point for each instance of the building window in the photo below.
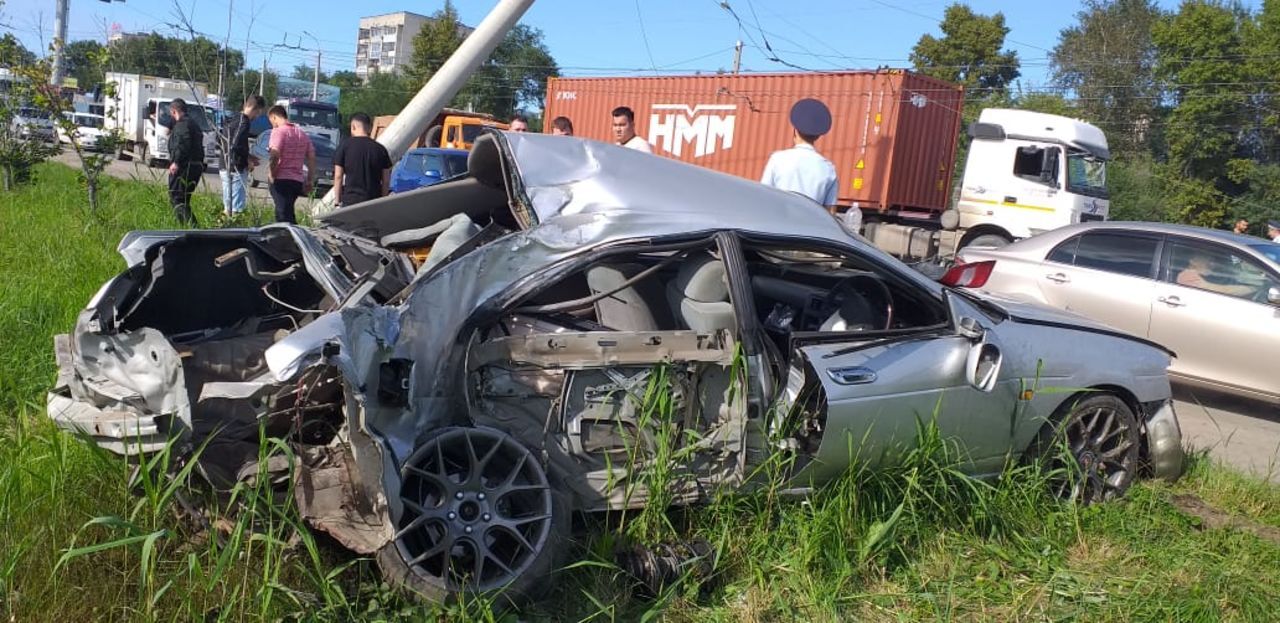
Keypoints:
(364, 34)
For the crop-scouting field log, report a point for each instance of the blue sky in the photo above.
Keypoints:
(587, 37)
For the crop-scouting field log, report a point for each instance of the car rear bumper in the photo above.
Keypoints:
(1163, 445)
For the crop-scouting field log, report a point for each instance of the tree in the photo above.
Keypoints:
(246, 83)
(1051, 103)
(1108, 60)
(1199, 52)
(345, 79)
(308, 73)
(85, 62)
(196, 59)
(384, 94)
(969, 52)
(13, 53)
(513, 77)
(434, 43)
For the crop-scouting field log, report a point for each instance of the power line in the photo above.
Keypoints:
(645, 37)
(771, 55)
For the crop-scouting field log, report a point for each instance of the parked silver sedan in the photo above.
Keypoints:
(1210, 296)
(589, 324)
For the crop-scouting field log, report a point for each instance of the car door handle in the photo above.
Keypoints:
(1058, 277)
(1171, 301)
(856, 375)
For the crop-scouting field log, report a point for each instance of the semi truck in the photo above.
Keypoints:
(139, 108)
(893, 142)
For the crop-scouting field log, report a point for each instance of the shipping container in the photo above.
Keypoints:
(893, 135)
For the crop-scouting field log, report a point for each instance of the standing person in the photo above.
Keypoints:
(624, 130)
(235, 163)
(1273, 231)
(292, 169)
(186, 160)
(1242, 227)
(361, 166)
(518, 123)
(802, 169)
(561, 126)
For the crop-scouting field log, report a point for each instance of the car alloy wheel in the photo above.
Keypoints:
(1101, 438)
(478, 510)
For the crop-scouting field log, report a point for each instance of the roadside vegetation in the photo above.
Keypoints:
(86, 536)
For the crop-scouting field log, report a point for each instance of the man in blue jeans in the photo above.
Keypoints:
(235, 161)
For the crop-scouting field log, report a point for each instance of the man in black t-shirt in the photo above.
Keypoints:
(361, 166)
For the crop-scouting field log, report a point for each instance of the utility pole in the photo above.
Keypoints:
(445, 82)
(59, 43)
(262, 78)
(315, 78)
(737, 57)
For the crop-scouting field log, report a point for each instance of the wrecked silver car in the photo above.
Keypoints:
(461, 367)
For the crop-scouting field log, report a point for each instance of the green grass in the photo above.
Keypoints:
(915, 542)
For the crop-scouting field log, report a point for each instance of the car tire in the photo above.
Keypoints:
(490, 496)
(1091, 451)
(993, 241)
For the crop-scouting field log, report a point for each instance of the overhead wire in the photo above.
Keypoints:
(645, 37)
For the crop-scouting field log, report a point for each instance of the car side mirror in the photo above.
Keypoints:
(1273, 295)
(1049, 166)
(982, 368)
(982, 365)
(431, 173)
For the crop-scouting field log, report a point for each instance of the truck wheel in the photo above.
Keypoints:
(434, 134)
(994, 241)
(480, 514)
(123, 154)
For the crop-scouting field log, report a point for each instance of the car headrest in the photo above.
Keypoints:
(484, 163)
(702, 279)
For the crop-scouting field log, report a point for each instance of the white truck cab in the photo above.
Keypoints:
(1029, 172)
(138, 106)
(159, 120)
(315, 117)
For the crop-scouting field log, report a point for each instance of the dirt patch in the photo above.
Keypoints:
(1214, 518)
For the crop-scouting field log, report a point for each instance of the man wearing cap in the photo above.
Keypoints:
(802, 169)
(1273, 231)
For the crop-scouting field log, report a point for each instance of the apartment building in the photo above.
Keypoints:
(385, 42)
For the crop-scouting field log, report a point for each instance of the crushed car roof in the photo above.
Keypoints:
(556, 176)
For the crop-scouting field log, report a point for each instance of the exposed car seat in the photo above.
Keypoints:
(699, 296)
(632, 308)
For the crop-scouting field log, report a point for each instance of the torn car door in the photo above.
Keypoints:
(625, 416)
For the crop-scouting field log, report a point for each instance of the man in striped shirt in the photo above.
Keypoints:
(292, 169)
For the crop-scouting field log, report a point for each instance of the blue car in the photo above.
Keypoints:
(425, 166)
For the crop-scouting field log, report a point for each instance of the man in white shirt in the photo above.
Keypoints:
(624, 130)
(802, 169)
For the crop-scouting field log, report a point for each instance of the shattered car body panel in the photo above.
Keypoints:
(562, 329)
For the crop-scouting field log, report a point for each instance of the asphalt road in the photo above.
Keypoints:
(1242, 433)
(133, 170)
